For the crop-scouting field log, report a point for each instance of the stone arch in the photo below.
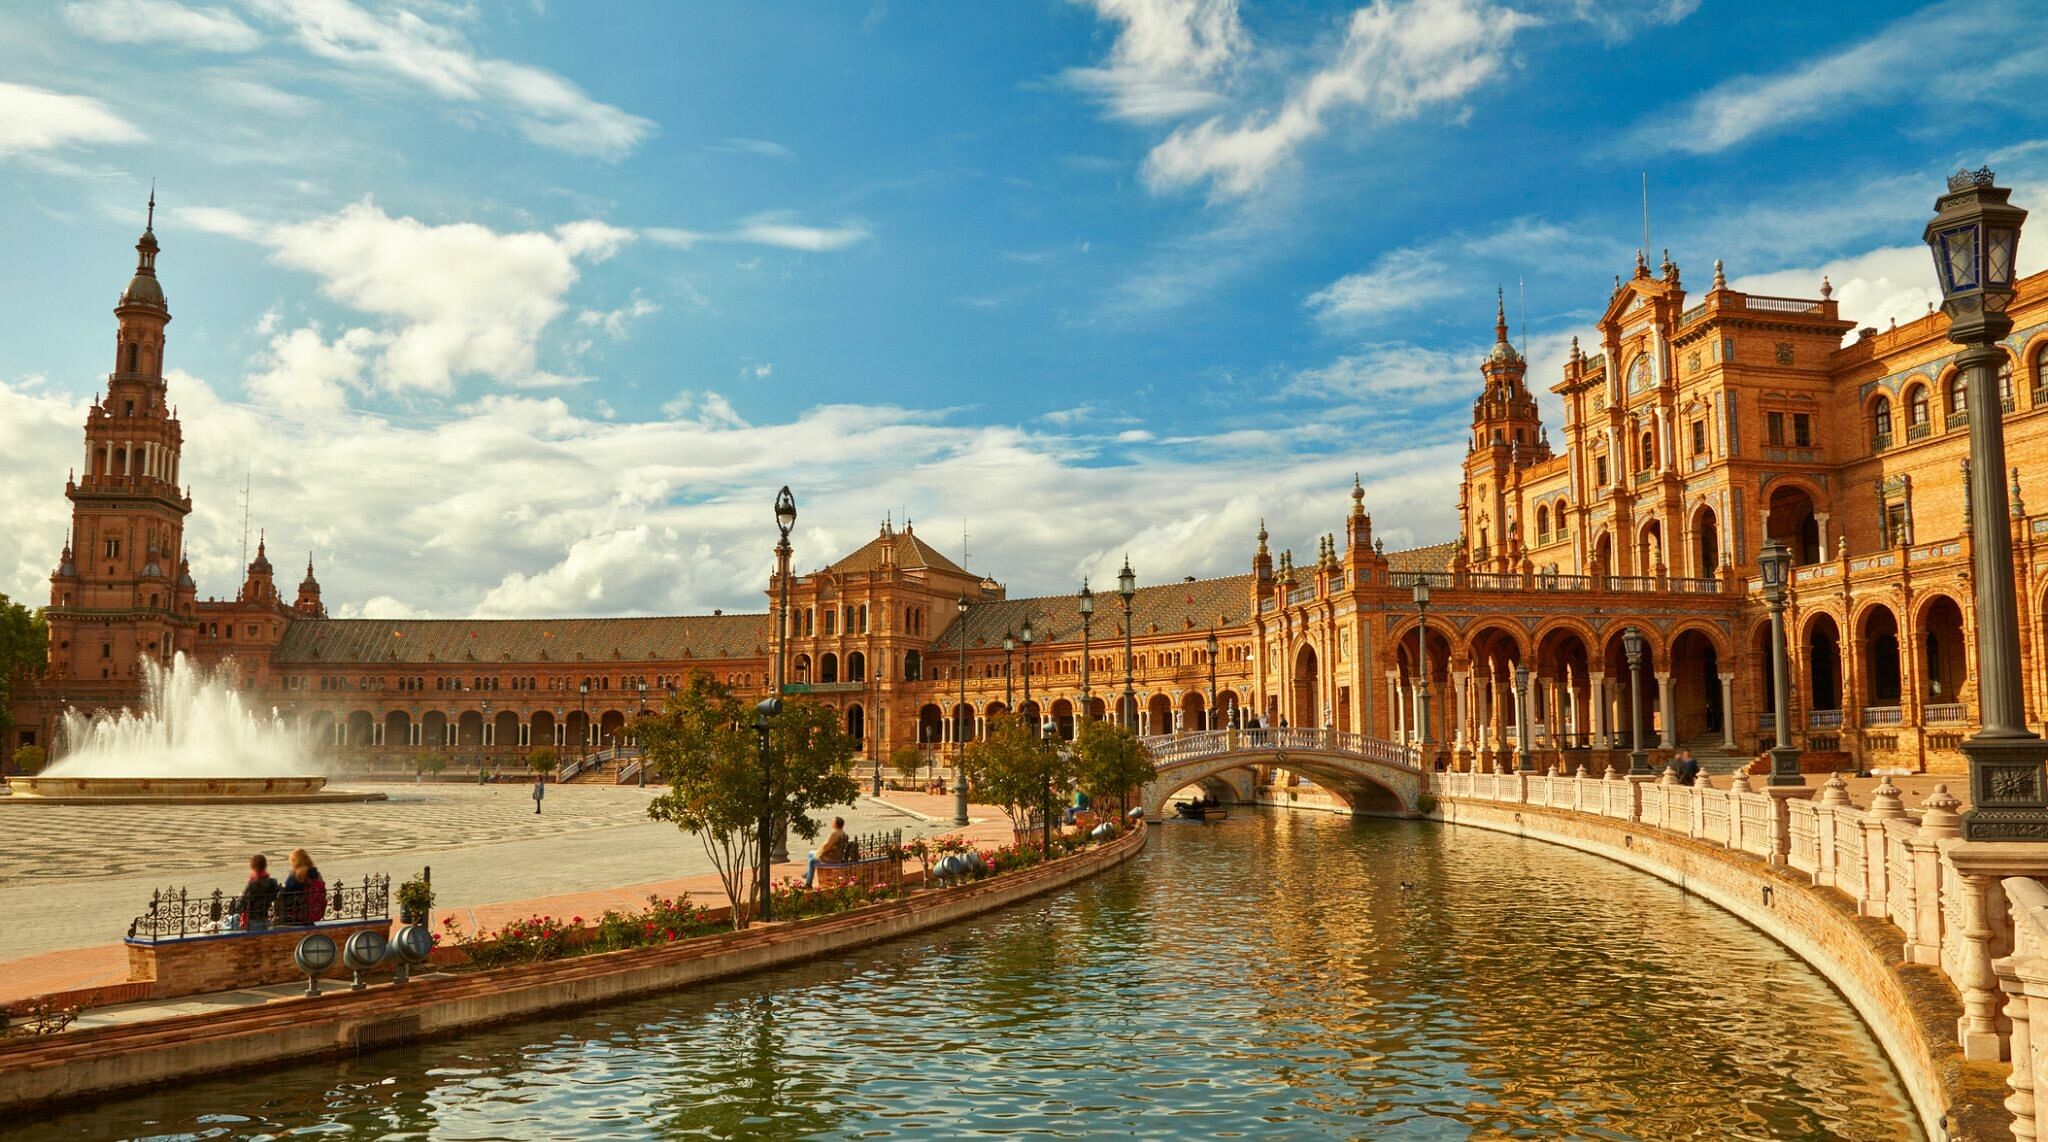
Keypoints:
(930, 724)
(609, 726)
(1883, 666)
(1623, 688)
(856, 666)
(505, 730)
(1563, 665)
(1706, 542)
(1821, 649)
(1650, 547)
(1879, 415)
(469, 729)
(1942, 661)
(1158, 714)
(1063, 717)
(1368, 788)
(1194, 710)
(857, 726)
(361, 729)
(1307, 686)
(1698, 657)
(800, 669)
(434, 729)
(1793, 519)
(1917, 395)
(913, 666)
(542, 728)
(828, 666)
(397, 728)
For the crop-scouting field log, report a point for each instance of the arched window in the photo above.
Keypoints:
(1916, 406)
(830, 615)
(1648, 458)
(1881, 424)
(1958, 403)
(2040, 396)
(1543, 520)
(134, 357)
(828, 665)
(2005, 401)
(913, 666)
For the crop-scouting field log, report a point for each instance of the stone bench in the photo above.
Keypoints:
(226, 961)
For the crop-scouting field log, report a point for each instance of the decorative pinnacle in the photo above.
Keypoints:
(1500, 315)
(150, 223)
(1827, 288)
(1720, 279)
(1965, 179)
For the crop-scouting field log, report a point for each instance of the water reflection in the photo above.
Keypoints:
(1269, 976)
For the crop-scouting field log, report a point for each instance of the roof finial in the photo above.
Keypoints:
(1720, 279)
(150, 224)
(1827, 288)
(1500, 315)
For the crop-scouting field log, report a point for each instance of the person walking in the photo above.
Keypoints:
(1688, 767)
(540, 790)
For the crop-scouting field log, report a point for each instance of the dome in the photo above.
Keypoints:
(143, 290)
(1502, 352)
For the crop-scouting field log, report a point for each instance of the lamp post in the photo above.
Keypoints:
(1027, 636)
(1209, 718)
(1975, 236)
(1009, 682)
(1087, 606)
(1127, 588)
(1425, 752)
(1775, 566)
(785, 519)
(1634, 644)
(583, 700)
(768, 708)
(1525, 762)
(1050, 743)
(641, 773)
(960, 741)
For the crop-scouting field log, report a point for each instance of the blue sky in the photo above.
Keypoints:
(529, 308)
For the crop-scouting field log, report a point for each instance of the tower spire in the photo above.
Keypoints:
(149, 226)
(1500, 316)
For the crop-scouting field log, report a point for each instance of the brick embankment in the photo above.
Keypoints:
(104, 1060)
(1910, 1009)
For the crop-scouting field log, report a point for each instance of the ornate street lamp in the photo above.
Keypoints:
(960, 740)
(1087, 607)
(1522, 717)
(1423, 752)
(1009, 683)
(1634, 644)
(583, 700)
(1975, 236)
(1775, 565)
(785, 519)
(642, 771)
(1050, 745)
(1026, 636)
(1209, 717)
(1127, 588)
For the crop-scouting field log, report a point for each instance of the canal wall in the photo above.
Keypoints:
(102, 1061)
(1910, 1007)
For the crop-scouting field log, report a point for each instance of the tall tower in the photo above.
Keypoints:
(1507, 436)
(113, 598)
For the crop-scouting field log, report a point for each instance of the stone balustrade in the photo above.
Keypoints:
(1976, 912)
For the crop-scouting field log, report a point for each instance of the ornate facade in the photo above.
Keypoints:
(1697, 429)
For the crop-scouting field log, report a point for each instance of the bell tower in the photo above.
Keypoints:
(1507, 437)
(113, 598)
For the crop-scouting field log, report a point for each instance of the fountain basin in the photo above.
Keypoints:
(178, 790)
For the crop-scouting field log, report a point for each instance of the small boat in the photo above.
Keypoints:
(1204, 810)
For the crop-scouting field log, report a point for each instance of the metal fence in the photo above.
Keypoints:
(871, 846)
(177, 914)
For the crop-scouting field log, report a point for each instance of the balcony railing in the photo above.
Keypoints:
(1918, 432)
(1301, 595)
(1883, 716)
(2040, 397)
(1781, 304)
(1881, 442)
(1644, 477)
(1946, 712)
(1824, 719)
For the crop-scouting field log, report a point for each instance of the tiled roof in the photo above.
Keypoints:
(1173, 607)
(905, 549)
(524, 640)
(1435, 557)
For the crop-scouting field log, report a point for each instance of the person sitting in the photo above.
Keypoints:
(832, 851)
(252, 907)
(304, 897)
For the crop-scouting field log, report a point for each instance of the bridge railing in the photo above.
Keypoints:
(1167, 749)
(1968, 910)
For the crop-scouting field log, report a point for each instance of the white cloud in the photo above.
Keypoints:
(1875, 287)
(1413, 276)
(1934, 53)
(615, 322)
(1392, 370)
(1620, 20)
(32, 119)
(779, 228)
(405, 47)
(306, 374)
(212, 29)
(215, 220)
(458, 299)
(1395, 61)
(255, 95)
(764, 148)
(1167, 57)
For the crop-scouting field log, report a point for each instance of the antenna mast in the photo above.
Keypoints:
(245, 516)
(1646, 214)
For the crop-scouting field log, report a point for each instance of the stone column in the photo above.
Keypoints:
(1464, 684)
(1728, 711)
(1394, 705)
(1667, 708)
(1596, 706)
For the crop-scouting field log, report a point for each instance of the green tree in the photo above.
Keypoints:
(907, 761)
(702, 744)
(29, 759)
(24, 651)
(541, 760)
(1013, 768)
(425, 763)
(1110, 762)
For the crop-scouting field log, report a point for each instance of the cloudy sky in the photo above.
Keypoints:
(527, 308)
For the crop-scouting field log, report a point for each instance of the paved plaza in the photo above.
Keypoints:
(73, 876)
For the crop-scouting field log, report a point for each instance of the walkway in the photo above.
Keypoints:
(597, 850)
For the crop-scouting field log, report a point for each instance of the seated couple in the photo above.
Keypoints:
(301, 899)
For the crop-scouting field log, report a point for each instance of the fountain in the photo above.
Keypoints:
(194, 740)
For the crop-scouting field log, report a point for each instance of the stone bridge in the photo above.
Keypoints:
(1370, 774)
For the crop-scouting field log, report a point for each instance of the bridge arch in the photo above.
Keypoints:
(1372, 776)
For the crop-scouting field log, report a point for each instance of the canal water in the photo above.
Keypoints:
(1271, 976)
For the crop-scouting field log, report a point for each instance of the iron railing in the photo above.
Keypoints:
(1883, 716)
(871, 846)
(178, 914)
(1943, 712)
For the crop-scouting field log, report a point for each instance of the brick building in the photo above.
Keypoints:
(1695, 428)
